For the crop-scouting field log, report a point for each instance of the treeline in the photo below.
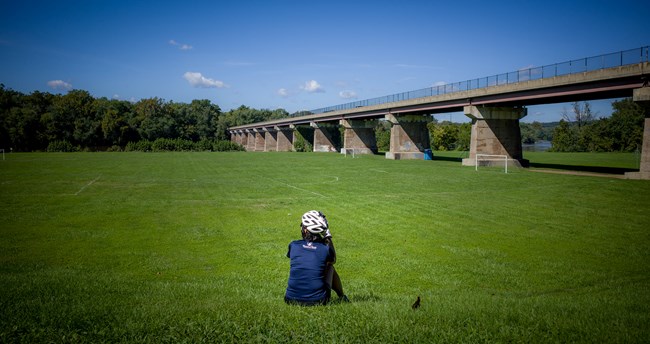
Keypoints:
(580, 131)
(42, 121)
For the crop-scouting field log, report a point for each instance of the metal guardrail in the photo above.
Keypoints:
(588, 64)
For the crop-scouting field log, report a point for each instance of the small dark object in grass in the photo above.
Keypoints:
(416, 305)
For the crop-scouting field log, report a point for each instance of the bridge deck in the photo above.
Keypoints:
(604, 83)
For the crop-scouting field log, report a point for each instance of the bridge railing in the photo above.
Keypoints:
(588, 64)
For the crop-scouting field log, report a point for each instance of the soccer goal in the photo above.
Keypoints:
(491, 160)
(349, 152)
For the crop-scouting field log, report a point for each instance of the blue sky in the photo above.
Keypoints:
(300, 55)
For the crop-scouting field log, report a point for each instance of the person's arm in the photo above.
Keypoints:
(328, 241)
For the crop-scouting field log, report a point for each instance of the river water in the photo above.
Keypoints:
(539, 146)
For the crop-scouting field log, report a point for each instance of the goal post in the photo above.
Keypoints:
(491, 158)
(349, 151)
(356, 152)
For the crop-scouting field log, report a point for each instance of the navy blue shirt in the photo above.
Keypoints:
(307, 273)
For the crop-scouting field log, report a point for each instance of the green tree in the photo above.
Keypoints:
(382, 135)
(575, 134)
(115, 115)
(71, 118)
(20, 120)
(25, 129)
(196, 121)
(8, 99)
(565, 138)
(153, 119)
(464, 136)
(626, 125)
(278, 114)
(597, 136)
(444, 135)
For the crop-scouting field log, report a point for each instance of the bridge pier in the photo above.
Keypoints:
(326, 137)
(270, 139)
(259, 140)
(641, 96)
(495, 131)
(409, 136)
(359, 135)
(242, 138)
(284, 138)
(234, 136)
(250, 140)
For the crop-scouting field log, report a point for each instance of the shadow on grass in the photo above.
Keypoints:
(563, 167)
(448, 158)
(594, 169)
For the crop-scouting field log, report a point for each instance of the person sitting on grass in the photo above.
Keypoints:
(312, 276)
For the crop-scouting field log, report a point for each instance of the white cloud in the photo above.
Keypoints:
(180, 46)
(439, 83)
(59, 85)
(312, 86)
(283, 92)
(348, 94)
(197, 80)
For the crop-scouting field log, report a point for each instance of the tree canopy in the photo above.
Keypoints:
(30, 122)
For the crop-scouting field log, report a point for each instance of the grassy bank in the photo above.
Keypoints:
(189, 247)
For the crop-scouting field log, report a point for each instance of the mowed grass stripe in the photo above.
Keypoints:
(171, 247)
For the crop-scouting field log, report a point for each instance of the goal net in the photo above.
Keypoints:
(352, 152)
(491, 160)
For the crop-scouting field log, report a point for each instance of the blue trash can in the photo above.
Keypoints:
(428, 154)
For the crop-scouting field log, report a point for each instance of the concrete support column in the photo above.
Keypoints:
(495, 131)
(284, 138)
(259, 140)
(409, 136)
(359, 136)
(641, 96)
(250, 140)
(326, 137)
(270, 140)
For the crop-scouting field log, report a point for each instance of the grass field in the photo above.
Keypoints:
(190, 247)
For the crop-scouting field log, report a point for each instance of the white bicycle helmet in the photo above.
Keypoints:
(315, 222)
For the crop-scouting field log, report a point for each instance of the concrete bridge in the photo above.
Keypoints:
(495, 105)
